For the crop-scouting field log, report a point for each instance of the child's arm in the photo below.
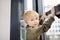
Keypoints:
(47, 24)
(42, 18)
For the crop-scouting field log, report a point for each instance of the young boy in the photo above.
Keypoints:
(34, 30)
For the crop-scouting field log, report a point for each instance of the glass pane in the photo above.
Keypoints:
(54, 32)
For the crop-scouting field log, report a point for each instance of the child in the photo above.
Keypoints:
(34, 30)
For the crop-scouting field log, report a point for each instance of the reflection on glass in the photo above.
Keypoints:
(54, 32)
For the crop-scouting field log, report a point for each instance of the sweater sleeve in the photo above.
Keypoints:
(47, 24)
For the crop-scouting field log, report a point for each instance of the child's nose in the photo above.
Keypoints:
(35, 21)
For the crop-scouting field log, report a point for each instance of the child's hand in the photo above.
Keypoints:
(52, 12)
(43, 16)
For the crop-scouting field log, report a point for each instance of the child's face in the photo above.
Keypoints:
(33, 21)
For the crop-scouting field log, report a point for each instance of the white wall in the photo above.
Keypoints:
(5, 19)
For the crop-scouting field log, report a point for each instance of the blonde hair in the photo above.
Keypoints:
(27, 14)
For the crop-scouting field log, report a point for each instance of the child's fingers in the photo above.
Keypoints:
(53, 11)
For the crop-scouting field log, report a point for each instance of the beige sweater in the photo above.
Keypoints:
(35, 33)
